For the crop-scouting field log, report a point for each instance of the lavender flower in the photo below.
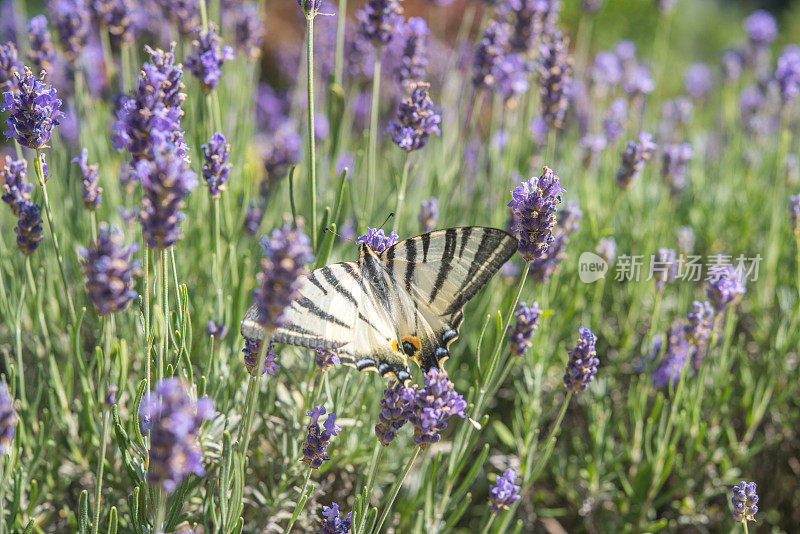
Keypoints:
(92, 194)
(396, 403)
(8, 420)
(674, 165)
(698, 81)
(413, 61)
(151, 116)
(326, 360)
(111, 395)
(511, 76)
(417, 119)
(433, 405)
(282, 149)
(530, 19)
(71, 19)
(732, 63)
(10, 67)
(248, 30)
(183, 13)
(110, 273)
(29, 227)
(504, 493)
(286, 253)
(583, 362)
(173, 421)
(33, 111)
(490, 53)
(555, 79)
(166, 182)
(117, 17)
(310, 8)
(672, 362)
(744, 501)
(607, 249)
(606, 72)
(761, 28)
(207, 57)
(534, 209)
(664, 267)
(252, 350)
(545, 266)
(591, 6)
(217, 331)
(615, 122)
(379, 19)
(592, 145)
(521, 333)
(794, 214)
(42, 52)
(317, 440)
(724, 285)
(701, 321)
(428, 214)
(638, 81)
(216, 168)
(16, 188)
(252, 218)
(332, 523)
(377, 240)
(634, 157)
(787, 73)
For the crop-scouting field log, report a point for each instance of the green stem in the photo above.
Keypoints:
(401, 195)
(550, 441)
(37, 164)
(377, 454)
(147, 334)
(395, 490)
(108, 59)
(98, 489)
(488, 526)
(372, 147)
(312, 156)
(18, 343)
(300, 502)
(217, 259)
(252, 395)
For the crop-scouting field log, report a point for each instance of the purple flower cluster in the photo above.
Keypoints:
(15, 186)
(732, 63)
(332, 523)
(504, 493)
(664, 267)
(787, 73)
(522, 331)
(42, 53)
(511, 76)
(286, 253)
(251, 351)
(555, 79)
(173, 421)
(545, 266)
(110, 273)
(111, 395)
(207, 57)
(417, 119)
(377, 240)
(8, 419)
(151, 116)
(10, 67)
(700, 322)
(72, 20)
(217, 331)
(530, 19)
(428, 214)
(317, 440)
(490, 54)
(29, 227)
(698, 81)
(725, 285)
(533, 208)
(592, 146)
(253, 215)
(117, 17)
(326, 360)
(248, 29)
(583, 362)
(672, 362)
(761, 28)
(434, 403)
(92, 193)
(744, 501)
(185, 14)
(379, 19)
(33, 111)
(216, 168)
(282, 149)
(616, 120)
(674, 165)
(166, 182)
(635, 155)
(396, 405)
(414, 60)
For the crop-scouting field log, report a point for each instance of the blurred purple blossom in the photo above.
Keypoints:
(110, 272)
(555, 78)
(794, 214)
(634, 157)
(326, 360)
(8, 420)
(417, 119)
(413, 61)
(92, 193)
(207, 58)
(698, 81)
(490, 53)
(664, 267)
(725, 284)
(117, 16)
(216, 167)
(615, 122)
(732, 63)
(42, 53)
(428, 214)
(674, 165)
(787, 73)
(761, 28)
(607, 249)
(10, 67)
(14, 180)
(248, 29)
(606, 72)
(217, 331)
(251, 351)
(521, 333)
(592, 146)
(685, 237)
(29, 227)
(379, 20)
(71, 19)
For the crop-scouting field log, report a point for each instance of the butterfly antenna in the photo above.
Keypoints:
(386, 221)
(340, 236)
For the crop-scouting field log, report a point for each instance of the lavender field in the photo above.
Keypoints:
(607, 195)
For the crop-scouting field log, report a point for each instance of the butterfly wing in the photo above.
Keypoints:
(336, 310)
(440, 272)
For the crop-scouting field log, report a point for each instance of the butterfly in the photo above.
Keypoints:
(406, 302)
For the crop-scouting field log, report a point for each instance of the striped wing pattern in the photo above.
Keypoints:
(405, 302)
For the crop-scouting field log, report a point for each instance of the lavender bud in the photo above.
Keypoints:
(490, 53)
(248, 30)
(744, 501)
(787, 73)
(117, 17)
(332, 523)
(672, 362)
(251, 351)
(725, 285)
(534, 209)
(413, 62)
(377, 240)
(592, 145)
(521, 334)
(428, 214)
(216, 168)
(317, 440)
(606, 72)
(504, 493)
(111, 395)
(379, 19)
(10, 67)
(417, 119)
(29, 227)
(395, 406)
(326, 360)
(674, 165)
(583, 362)
(217, 331)
(433, 405)
(16, 188)
(8, 419)
(615, 122)
(110, 273)
(664, 267)
(698, 81)
(33, 111)
(71, 19)
(207, 57)
(92, 194)
(701, 321)
(42, 52)
(634, 157)
(555, 79)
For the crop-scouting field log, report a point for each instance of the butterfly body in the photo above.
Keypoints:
(405, 302)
